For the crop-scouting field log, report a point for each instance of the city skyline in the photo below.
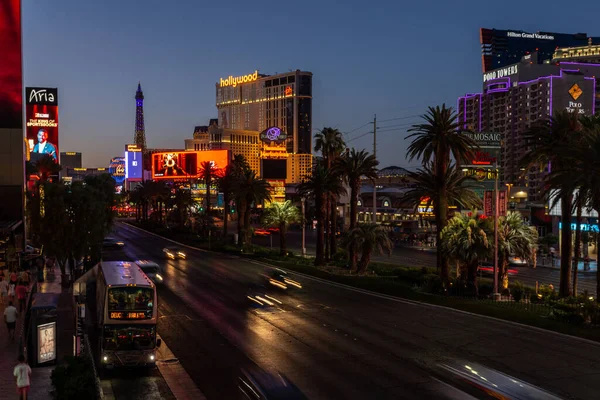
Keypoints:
(178, 63)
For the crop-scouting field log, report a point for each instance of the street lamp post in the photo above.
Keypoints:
(496, 215)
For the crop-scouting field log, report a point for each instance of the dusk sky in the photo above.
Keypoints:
(392, 58)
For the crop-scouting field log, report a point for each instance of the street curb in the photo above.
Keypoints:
(178, 380)
(393, 298)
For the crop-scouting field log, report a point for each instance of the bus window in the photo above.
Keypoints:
(129, 337)
(130, 298)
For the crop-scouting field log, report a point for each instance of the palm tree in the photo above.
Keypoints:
(465, 239)
(434, 142)
(183, 201)
(240, 166)
(281, 215)
(317, 185)
(561, 131)
(227, 183)
(330, 142)
(353, 167)
(515, 238)
(251, 190)
(369, 238)
(455, 191)
(208, 173)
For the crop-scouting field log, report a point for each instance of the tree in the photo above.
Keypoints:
(208, 173)
(353, 167)
(561, 131)
(455, 192)
(47, 167)
(515, 238)
(368, 238)
(434, 142)
(251, 190)
(466, 239)
(317, 185)
(330, 142)
(183, 201)
(240, 167)
(281, 215)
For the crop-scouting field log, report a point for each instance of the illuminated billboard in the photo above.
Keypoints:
(46, 335)
(186, 164)
(42, 122)
(133, 165)
(11, 79)
(116, 169)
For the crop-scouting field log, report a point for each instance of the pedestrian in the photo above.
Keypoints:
(3, 289)
(13, 277)
(11, 291)
(10, 317)
(21, 296)
(25, 277)
(22, 375)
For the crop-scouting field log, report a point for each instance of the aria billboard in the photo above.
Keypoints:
(42, 122)
(11, 78)
(186, 164)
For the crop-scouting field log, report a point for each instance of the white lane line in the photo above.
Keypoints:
(398, 299)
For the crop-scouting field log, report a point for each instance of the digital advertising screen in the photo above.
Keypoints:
(46, 342)
(42, 122)
(218, 158)
(274, 169)
(11, 77)
(179, 165)
(117, 169)
(133, 165)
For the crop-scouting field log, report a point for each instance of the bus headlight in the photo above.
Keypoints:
(105, 358)
(159, 277)
(151, 357)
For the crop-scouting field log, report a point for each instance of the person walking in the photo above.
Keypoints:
(3, 290)
(21, 295)
(10, 317)
(22, 373)
(11, 291)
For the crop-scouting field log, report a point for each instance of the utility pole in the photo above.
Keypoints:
(374, 181)
(496, 216)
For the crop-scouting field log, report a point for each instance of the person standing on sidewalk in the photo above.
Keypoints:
(22, 373)
(10, 317)
(21, 295)
(3, 290)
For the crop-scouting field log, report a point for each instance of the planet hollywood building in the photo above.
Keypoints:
(516, 96)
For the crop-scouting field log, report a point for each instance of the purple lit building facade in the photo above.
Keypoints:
(516, 96)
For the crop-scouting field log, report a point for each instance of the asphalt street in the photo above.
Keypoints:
(411, 257)
(338, 343)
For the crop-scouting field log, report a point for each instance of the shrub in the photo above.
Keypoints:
(75, 379)
(518, 291)
(432, 283)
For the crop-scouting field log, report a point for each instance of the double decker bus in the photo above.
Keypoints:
(127, 312)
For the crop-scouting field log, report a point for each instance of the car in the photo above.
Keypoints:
(516, 261)
(262, 232)
(257, 384)
(174, 253)
(152, 270)
(488, 269)
(280, 279)
(111, 243)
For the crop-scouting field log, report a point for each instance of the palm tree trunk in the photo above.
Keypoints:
(320, 256)
(441, 219)
(354, 187)
(565, 251)
(328, 225)
(247, 239)
(504, 274)
(333, 216)
(207, 182)
(472, 278)
(577, 249)
(282, 243)
(365, 260)
(225, 215)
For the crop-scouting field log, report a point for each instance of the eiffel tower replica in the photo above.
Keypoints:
(140, 131)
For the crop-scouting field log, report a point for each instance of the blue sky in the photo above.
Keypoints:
(392, 58)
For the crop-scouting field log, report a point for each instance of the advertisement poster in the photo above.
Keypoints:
(502, 201)
(42, 122)
(11, 78)
(133, 165)
(488, 203)
(181, 165)
(46, 342)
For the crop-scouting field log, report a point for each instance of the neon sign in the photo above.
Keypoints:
(236, 80)
(273, 134)
(288, 91)
(584, 227)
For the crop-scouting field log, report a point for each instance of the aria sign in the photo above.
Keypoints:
(236, 80)
(273, 134)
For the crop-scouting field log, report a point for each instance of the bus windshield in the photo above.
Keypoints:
(130, 298)
(129, 337)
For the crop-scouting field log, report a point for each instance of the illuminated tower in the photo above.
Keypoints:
(140, 131)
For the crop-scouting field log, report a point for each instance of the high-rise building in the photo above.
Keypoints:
(501, 48)
(70, 159)
(140, 131)
(515, 97)
(256, 102)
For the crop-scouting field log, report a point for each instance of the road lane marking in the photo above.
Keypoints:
(388, 297)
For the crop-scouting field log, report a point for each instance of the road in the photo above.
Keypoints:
(337, 343)
(411, 257)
